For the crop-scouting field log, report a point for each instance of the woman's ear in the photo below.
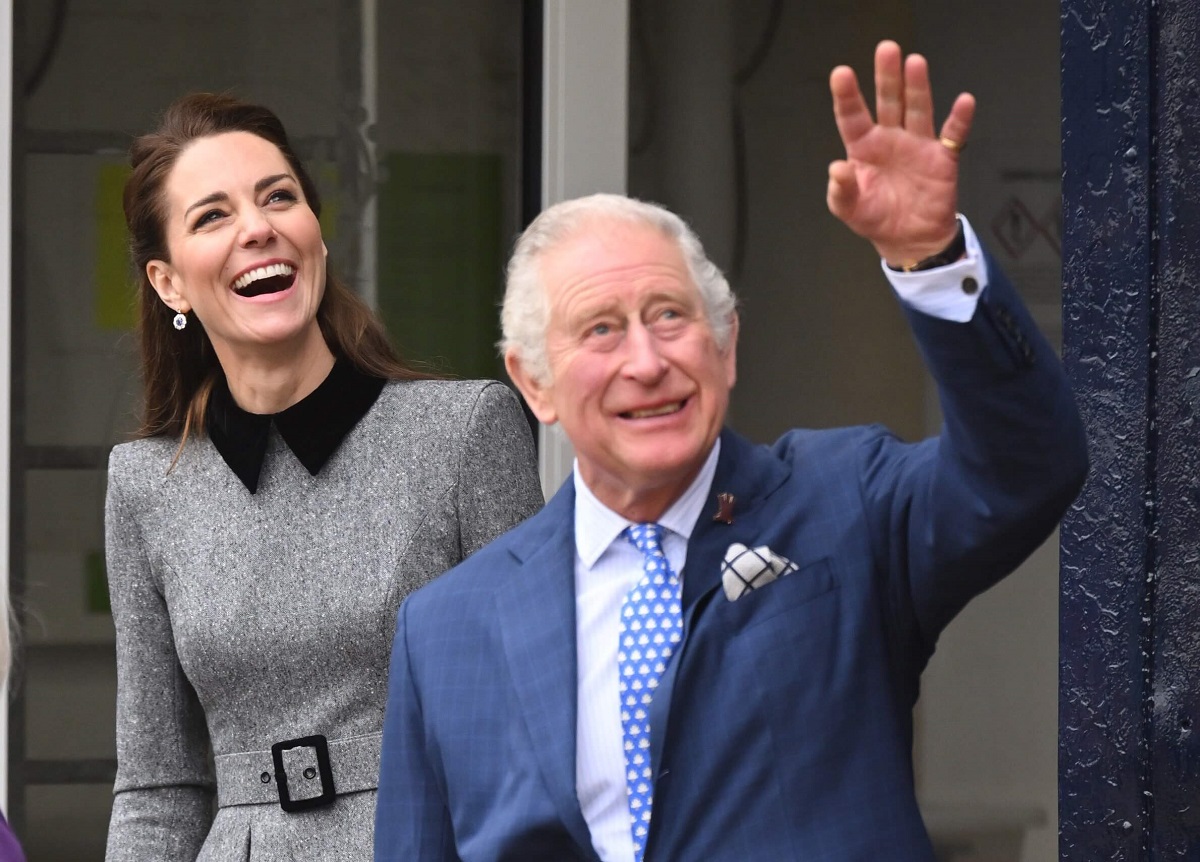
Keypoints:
(162, 279)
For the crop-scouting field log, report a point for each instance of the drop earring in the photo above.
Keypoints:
(180, 320)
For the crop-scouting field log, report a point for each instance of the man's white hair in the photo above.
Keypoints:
(525, 314)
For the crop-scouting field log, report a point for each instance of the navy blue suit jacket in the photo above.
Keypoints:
(782, 729)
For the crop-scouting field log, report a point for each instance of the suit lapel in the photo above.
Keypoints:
(536, 612)
(751, 474)
(537, 619)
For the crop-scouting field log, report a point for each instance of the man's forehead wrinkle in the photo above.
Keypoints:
(641, 269)
(592, 296)
(614, 277)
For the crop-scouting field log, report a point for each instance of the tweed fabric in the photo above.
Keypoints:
(243, 620)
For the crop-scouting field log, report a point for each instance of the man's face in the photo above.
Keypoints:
(636, 377)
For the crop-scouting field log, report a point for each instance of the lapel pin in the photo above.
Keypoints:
(725, 502)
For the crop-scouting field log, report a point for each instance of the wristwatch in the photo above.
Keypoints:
(950, 254)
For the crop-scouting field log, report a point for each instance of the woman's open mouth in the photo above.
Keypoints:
(271, 278)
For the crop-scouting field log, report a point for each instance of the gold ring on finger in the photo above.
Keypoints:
(952, 145)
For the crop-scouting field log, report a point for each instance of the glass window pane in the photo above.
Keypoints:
(70, 703)
(409, 117)
(67, 824)
(66, 597)
(80, 353)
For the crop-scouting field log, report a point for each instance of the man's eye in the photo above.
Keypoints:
(670, 316)
(601, 329)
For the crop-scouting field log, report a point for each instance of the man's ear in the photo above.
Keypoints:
(537, 394)
(162, 279)
(731, 351)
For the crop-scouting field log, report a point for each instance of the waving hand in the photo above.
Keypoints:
(898, 185)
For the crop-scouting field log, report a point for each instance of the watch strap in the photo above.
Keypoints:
(950, 254)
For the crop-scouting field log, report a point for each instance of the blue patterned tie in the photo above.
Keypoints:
(651, 626)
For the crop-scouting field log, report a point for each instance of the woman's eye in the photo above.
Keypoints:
(280, 196)
(207, 218)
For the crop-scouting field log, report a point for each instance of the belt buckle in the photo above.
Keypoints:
(321, 746)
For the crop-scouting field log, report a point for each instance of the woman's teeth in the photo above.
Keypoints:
(274, 270)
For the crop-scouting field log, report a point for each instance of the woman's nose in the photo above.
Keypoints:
(255, 229)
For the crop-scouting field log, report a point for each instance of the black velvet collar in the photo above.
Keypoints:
(313, 427)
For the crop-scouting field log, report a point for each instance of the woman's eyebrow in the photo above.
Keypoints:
(216, 197)
(271, 180)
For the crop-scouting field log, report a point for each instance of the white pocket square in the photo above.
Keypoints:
(745, 569)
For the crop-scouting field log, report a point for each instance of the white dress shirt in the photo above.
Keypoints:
(949, 292)
(607, 566)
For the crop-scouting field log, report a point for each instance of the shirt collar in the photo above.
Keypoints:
(312, 428)
(597, 526)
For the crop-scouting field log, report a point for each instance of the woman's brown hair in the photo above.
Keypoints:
(179, 367)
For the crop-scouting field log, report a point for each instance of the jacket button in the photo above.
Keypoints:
(265, 778)
(970, 286)
(310, 773)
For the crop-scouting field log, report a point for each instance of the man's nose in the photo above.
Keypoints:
(643, 358)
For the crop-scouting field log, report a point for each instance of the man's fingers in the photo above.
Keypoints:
(889, 85)
(849, 107)
(957, 127)
(918, 97)
(842, 193)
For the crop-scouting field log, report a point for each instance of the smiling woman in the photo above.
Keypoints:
(294, 481)
(245, 254)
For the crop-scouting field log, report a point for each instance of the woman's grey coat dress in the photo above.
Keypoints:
(244, 620)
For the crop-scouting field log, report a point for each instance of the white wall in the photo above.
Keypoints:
(585, 73)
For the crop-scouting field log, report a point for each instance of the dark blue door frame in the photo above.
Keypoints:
(1129, 754)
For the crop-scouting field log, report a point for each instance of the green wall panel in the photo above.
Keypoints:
(441, 259)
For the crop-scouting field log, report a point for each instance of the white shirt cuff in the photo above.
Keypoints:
(950, 292)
